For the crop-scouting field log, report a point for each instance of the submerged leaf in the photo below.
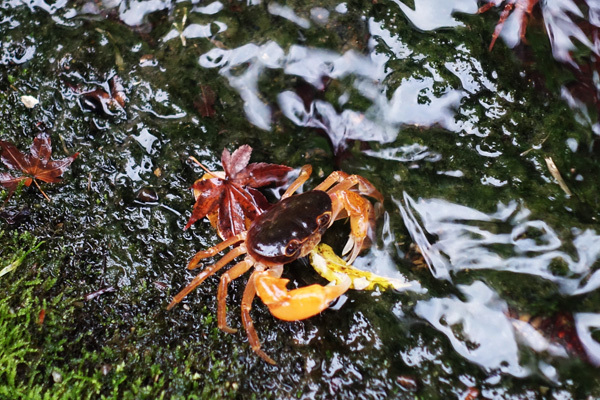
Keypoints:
(206, 102)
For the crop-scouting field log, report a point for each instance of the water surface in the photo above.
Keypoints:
(500, 259)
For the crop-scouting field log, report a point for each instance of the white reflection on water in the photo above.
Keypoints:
(209, 9)
(289, 14)
(478, 329)
(194, 31)
(433, 14)
(133, 12)
(586, 323)
(380, 262)
(379, 123)
(560, 17)
(454, 238)
(256, 59)
(407, 153)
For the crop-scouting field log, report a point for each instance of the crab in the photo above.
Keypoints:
(289, 230)
(524, 8)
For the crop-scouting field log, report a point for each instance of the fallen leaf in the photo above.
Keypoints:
(36, 165)
(556, 174)
(118, 91)
(230, 198)
(105, 103)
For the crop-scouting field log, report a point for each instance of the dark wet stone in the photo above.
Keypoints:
(14, 216)
(147, 195)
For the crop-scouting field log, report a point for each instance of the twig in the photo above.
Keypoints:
(202, 166)
(45, 195)
(556, 174)
(536, 147)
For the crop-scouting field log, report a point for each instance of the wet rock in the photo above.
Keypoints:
(14, 216)
(147, 195)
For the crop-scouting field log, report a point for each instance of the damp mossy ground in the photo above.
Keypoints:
(103, 264)
(44, 356)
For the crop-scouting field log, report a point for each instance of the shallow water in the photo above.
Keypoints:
(501, 261)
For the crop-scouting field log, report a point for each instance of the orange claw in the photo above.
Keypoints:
(297, 304)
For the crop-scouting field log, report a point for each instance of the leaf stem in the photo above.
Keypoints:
(202, 166)
(45, 195)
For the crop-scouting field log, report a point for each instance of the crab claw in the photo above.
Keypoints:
(362, 219)
(297, 304)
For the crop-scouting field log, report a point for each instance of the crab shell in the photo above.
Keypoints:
(291, 229)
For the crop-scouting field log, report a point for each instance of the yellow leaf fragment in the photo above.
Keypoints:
(556, 174)
(9, 268)
(334, 269)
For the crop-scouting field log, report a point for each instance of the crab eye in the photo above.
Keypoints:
(292, 248)
(324, 219)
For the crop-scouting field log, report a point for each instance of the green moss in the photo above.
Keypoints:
(44, 356)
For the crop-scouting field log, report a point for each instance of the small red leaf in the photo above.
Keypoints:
(12, 157)
(11, 183)
(235, 197)
(258, 199)
(41, 149)
(231, 216)
(247, 201)
(240, 159)
(37, 164)
(234, 163)
(209, 193)
(53, 170)
(263, 174)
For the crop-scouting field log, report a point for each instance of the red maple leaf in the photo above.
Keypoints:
(230, 198)
(36, 165)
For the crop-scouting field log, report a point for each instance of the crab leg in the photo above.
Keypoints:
(346, 181)
(208, 271)
(304, 175)
(297, 304)
(211, 251)
(360, 211)
(235, 272)
(253, 339)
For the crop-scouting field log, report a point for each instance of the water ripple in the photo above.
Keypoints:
(454, 238)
